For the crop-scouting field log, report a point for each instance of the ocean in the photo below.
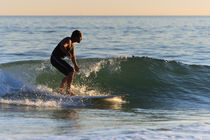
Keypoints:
(161, 62)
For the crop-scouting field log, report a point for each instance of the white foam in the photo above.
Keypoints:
(37, 103)
(93, 68)
(37, 89)
(84, 91)
(33, 90)
(112, 63)
(40, 96)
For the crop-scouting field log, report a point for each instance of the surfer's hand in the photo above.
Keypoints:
(69, 56)
(76, 68)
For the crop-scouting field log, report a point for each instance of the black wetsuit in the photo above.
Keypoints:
(57, 61)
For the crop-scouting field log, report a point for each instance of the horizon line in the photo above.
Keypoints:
(104, 15)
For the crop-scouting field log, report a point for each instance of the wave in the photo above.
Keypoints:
(149, 82)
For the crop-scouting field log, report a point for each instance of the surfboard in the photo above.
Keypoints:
(99, 97)
(101, 100)
(89, 99)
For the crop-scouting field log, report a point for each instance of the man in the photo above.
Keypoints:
(66, 49)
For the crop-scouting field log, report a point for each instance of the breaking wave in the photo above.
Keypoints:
(149, 82)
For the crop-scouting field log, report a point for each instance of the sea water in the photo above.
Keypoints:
(161, 62)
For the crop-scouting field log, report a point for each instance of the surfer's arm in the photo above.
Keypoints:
(74, 61)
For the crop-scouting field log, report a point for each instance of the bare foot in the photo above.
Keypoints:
(71, 93)
(60, 91)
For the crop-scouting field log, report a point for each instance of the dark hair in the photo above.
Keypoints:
(76, 33)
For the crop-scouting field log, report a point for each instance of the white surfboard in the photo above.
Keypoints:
(88, 99)
(98, 97)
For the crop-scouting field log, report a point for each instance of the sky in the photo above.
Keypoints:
(104, 7)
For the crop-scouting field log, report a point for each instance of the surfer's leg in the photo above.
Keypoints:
(70, 77)
(63, 84)
(64, 68)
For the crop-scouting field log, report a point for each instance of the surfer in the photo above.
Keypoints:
(65, 48)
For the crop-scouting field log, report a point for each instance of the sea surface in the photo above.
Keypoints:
(161, 62)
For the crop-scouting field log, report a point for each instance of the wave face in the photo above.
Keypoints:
(150, 83)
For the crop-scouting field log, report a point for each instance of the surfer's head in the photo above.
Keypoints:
(76, 36)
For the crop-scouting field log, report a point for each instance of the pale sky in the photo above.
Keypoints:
(104, 7)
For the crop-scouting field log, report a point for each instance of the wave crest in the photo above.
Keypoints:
(148, 81)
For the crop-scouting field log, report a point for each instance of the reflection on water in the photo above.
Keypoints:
(67, 114)
(39, 121)
(103, 119)
(67, 121)
(33, 121)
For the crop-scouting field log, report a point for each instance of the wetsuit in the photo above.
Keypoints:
(57, 59)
